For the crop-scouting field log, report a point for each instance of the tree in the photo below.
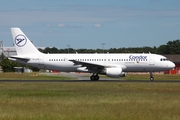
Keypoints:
(173, 47)
(163, 49)
(7, 65)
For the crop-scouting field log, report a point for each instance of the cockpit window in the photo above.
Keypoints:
(164, 59)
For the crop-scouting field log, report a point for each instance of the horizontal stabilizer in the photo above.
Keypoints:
(19, 58)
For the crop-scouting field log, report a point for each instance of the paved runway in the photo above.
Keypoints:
(40, 81)
(85, 78)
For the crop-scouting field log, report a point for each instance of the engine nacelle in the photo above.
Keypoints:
(114, 72)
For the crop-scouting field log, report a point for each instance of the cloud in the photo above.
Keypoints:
(69, 26)
(61, 25)
(81, 15)
(97, 25)
(48, 25)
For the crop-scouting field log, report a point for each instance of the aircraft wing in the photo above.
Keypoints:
(89, 66)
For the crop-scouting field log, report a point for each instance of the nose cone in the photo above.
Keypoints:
(171, 65)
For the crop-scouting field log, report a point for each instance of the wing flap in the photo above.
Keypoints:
(89, 66)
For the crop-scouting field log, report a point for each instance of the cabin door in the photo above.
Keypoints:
(151, 60)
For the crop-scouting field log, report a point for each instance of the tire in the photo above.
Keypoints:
(152, 78)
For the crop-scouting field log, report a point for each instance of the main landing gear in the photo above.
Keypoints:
(94, 77)
(151, 76)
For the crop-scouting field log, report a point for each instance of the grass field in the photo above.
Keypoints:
(30, 76)
(89, 100)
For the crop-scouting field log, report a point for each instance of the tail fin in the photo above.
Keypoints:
(22, 44)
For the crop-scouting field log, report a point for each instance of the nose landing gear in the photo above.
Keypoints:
(151, 76)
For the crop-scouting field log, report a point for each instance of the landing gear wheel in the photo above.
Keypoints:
(94, 78)
(152, 78)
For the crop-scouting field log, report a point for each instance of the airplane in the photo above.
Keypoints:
(109, 64)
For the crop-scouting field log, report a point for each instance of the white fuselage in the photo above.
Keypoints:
(127, 62)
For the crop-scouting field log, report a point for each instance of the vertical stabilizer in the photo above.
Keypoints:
(22, 44)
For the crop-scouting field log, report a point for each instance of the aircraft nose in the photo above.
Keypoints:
(171, 65)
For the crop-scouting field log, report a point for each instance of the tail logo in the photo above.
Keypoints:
(20, 40)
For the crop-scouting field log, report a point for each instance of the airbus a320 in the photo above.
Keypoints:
(112, 65)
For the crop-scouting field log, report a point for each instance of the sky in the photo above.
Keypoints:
(92, 24)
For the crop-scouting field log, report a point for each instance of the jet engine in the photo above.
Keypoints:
(114, 72)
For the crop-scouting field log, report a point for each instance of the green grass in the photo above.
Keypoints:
(90, 101)
(30, 76)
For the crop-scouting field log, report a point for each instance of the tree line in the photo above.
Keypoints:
(171, 47)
